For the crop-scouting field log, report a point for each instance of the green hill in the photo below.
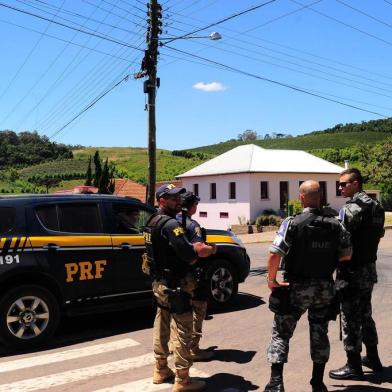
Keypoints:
(304, 142)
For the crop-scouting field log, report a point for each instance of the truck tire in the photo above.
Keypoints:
(29, 315)
(222, 282)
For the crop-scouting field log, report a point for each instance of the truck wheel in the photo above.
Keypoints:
(28, 316)
(223, 283)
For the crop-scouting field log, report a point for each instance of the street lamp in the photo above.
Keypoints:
(214, 36)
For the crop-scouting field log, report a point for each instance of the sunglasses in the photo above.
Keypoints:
(344, 183)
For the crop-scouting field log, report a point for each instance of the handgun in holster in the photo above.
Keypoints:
(179, 300)
(280, 301)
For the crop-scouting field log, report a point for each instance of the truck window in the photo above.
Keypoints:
(7, 220)
(79, 218)
(129, 219)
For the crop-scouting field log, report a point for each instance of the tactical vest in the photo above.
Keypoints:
(366, 237)
(314, 249)
(161, 258)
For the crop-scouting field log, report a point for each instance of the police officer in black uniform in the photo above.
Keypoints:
(169, 257)
(311, 244)
(194, 233)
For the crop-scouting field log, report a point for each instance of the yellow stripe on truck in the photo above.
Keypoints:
(215, 238)
(71, 240)
(128, 239)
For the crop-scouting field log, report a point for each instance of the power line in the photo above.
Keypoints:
(295, 88)
(61, 39)
(346, 24)
(70, 27)
(364, 13)
(57, 82)
(27, 58)
(68, 12)
(236, 15)
(89, 106)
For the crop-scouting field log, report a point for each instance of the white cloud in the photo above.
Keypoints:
(213, 86)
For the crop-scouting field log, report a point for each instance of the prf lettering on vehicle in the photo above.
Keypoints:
(84, 270)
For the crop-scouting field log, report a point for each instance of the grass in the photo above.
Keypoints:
(305, 142)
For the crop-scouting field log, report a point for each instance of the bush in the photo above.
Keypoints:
(269, 211)
(268, 220)
(295, 207)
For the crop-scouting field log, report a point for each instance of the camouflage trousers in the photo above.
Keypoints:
(314, 296)
(357, 321)
(179, 326)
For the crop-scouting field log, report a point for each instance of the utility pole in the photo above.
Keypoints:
(149, 70)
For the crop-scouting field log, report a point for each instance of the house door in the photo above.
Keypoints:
(284, 194)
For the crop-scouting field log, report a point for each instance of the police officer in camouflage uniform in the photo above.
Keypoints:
(364, 218)
(193, 231)
(169, 257)
(311, 244)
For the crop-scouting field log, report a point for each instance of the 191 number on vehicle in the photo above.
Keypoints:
(9, 259)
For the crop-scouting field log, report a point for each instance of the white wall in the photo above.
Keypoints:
(258, 205)
(248, 203)
(235, 208)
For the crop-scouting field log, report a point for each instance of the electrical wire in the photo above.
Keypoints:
(291, 87)
(364, 13)
(60, 78)
(89, 106)
(27, 58)
(68, 27)
(236, 15)
(345, 24)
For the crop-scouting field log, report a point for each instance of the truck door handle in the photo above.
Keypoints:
(125, 246)
(51, 247)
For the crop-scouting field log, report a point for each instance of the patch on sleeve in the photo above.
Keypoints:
(178, 231)
(198, 231)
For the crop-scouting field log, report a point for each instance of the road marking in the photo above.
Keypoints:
(45, 359)
(146, 385)
(57, 379)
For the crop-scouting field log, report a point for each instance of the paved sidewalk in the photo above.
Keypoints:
(267, 236)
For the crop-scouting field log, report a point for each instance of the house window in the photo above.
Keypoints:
(223, 215)
(232, 190)
(196, 189)
(213, 190)
(264, 190)
(323, 193)
(283, 194)
(202, 214)
(338, 192)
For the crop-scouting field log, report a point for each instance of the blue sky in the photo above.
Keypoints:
(45, 82)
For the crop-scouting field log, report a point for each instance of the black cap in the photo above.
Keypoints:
(168, 190)
(188, 199)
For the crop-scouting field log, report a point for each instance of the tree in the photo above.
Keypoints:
(48, 182)
(98, 169)
(247, 135)
(89, 174)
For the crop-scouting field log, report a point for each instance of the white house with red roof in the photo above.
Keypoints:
(235, 187)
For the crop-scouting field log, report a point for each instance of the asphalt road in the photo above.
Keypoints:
(112, 352)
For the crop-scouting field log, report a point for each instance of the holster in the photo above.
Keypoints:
(179, 300)
(334, 307)
(280, 301)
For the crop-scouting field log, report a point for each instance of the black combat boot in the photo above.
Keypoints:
(317, 378)
(276, 381)
(372, 360)
(352, 370)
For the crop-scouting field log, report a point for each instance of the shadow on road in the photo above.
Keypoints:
(82, 329)
(229, 383)
(231, 355)
(374, 378)
(258, 271)
(242, 302)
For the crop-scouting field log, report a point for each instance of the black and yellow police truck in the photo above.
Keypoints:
(78, 254)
